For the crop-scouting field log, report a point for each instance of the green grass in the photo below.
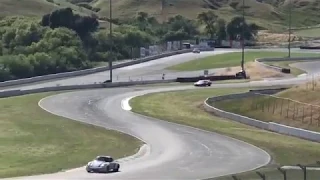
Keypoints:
(312, 33)
(185, 107)
(230, 60)
(266, 13)
(285, 64)
(263, 13)
(36, 8)
(257, 107)
(33, 141)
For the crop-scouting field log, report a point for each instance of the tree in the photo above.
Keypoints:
(221, 30)
(179, 23)
(175, 35)
(208, 19)
(235, 26)
(42, 63)
(142, 20)
(83, 25)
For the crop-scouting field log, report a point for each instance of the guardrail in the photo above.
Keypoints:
(281, 69)
(11, 93)
(271, 126)
(88, 71)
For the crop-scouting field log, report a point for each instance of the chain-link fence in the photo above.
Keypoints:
(296, 172)
(288, 111)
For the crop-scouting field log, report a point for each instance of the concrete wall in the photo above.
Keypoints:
(11, 93)
(88, 71)
(271, 126)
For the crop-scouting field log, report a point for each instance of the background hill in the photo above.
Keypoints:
(270, 14)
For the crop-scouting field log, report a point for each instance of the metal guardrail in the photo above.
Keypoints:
(88, 71)
(11, 93)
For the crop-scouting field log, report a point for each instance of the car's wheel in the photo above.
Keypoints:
(117, 168)
(209, 84)
(88, 170)
(107, 169)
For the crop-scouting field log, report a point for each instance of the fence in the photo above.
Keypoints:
(297, 172)
(288, 111)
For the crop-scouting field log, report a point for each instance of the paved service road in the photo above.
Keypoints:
(173, 151)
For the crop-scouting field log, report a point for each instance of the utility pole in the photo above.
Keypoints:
(242, 35)
(289, 40)
(111, 41)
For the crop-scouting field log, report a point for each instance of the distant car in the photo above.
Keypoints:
(196, 50)
(203, 83)
(102, 164)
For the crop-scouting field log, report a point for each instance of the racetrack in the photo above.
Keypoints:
(176, 152)
(151, 70)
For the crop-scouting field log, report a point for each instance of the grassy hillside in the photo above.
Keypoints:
(35, 7)
(271, 14)
(268, 13)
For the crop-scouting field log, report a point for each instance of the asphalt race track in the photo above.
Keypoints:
(172, 151)
(151, 70)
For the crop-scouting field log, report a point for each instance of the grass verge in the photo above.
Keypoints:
(280, 110)
(33, 141)
(184, 107)
(230, 60)
(312, 32)
(285, 64)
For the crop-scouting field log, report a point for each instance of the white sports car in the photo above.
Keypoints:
(203, 83)
(196, 50)
(102, 164)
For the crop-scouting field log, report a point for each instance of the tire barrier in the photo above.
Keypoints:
(270, 126)
(310, 47)
(286, 70)
(88, 71)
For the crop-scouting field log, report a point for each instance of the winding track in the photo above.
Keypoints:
(176, 152)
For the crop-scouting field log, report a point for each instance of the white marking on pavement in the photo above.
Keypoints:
(125, 104)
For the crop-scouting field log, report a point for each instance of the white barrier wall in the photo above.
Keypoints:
(11, 93)
(271, 126)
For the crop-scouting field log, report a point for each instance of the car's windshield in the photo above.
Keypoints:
(105, 159)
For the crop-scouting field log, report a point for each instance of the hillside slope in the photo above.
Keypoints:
(271, 14)
(36, 7)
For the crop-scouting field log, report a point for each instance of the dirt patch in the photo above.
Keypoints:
(264, 36)
(254, 70)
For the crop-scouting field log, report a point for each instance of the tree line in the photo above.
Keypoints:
(63, 41)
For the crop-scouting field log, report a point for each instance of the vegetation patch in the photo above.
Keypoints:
(312, 32)
(33, 141)
(296, 107)
(184, 107)
(231, 59)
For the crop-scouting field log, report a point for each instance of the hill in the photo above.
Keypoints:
(36, 7)
(271, 14)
